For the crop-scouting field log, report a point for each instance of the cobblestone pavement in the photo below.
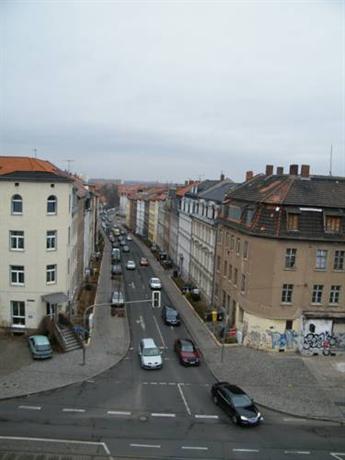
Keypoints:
(304, 386)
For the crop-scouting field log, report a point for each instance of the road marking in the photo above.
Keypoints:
(206, 416)
(119, 412)
(245, 450)
(152, 446)
(141, 322)
(73, 410)
(154, 383)
(336, 455)
(162, 383)
(162, 414)
(30, 407)
(184, 399)
(194, 448)
(171, 383)
(300, 452)
(159, 331)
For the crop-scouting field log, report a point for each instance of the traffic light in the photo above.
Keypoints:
(156, 299)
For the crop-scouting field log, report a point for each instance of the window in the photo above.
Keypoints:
(225, 268)
(245, 249)
(51, 240)
(238, 246)
(17, 204)
(290, 258)
(333, 224)
(334, 294)
(232, 242)
(317, 293)
(243, 283)
(235, 276)
(17, 274)
(51, 274)
(339, 260)
(288, 325)
(16, 240)
(321, 259)
(287, 293)
(18, 312)
(218, 262)
(292, 222)
(230, 272)
(51, 204)
(235, 213)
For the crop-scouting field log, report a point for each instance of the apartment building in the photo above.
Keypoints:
(40, 257)
(280, 260)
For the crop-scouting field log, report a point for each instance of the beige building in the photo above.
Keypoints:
(280, 261)
(41, 258)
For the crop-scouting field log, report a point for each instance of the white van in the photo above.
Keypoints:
(150, 355)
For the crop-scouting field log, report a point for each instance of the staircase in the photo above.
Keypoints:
(70, 339)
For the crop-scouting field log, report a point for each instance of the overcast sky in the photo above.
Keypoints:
(171, 90)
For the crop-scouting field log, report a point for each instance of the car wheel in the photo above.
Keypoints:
(215, 399)
(234, 420)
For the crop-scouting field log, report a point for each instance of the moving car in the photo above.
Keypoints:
(131, 265)
(187, 353)
(144, 262)
(129, 238)
(236, 403)
(117, 299)
(40, 347)
(155, 283)
(171, 316)
(125, 248)
(150, 355)
(123, 242)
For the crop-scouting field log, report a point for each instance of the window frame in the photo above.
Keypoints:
(51, 274)
(51, 238)
(17, 239)
(287, 293)
(337, 258)
(319, 257)
(52, 200)
(292, 222)
(316, 298)
(334, 294)
(16, 199)
(19, 272)
(19, 317)
(290, 256)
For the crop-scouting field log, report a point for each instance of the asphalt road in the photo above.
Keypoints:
(128, 412)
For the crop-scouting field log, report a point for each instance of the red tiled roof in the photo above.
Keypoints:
(10, 165)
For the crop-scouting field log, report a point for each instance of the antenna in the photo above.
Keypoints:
(69, 164)
(35, 152)
(330, 160)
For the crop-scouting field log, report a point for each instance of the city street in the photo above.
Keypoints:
(128, 412)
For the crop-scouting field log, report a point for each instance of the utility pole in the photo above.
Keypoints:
(35, 152)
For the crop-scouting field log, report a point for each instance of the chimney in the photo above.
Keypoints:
(269, 170)
(222, 177)
(249, 175)
(280, 170)
(293, 170)
(305, 169)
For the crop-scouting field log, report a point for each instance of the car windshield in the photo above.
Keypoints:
(42, 347)
(151, 351)
(171, 314)
(187, 347)
(241, 400)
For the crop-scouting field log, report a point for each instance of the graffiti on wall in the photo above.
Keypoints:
(287, 340)
(323, 343)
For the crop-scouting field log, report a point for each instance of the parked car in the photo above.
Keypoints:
(171, 316)
(117, 299)
(40, 347)
(155, 283)
(236, 403)
(123, 243)
(131, 265)
(187, 352)
(125, 248)
(144, 262)
(116, 269)
(150, 355)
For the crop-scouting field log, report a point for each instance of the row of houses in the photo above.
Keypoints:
(270, 252)
(48, 220)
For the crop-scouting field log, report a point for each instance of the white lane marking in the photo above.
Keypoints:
(300, 452)
(141, 322)
(119, 412)
(152, 446)
(171, 383)
(295, 420)
(162, 383)
(30, 407)
(336, 455)
(154, 383)
(159, 332)
(245, 450)
(206, 416)
(132, 285)
(162, 414)
(194, 448)
(184, 399)
(73, 410)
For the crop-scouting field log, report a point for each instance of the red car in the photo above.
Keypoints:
(187, 353)
(144, 262)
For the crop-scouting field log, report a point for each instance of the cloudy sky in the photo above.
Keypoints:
(171, 90)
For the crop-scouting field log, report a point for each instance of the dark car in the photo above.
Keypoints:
(188, 354)
(116, 269)
(40, 347)
(171, 316)
(236, 403)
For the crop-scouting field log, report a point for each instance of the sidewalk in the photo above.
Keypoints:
(309, 387)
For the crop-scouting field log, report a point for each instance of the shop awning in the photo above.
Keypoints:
(55, 298)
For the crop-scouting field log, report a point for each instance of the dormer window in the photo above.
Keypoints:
(292, 222)
(234, 213)
(332, 224)
(51, 204)
(17, 204)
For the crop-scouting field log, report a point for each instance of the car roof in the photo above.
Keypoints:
(234, 389)
(154, 278)
(40, 339)
(148, 342)
(170, 307)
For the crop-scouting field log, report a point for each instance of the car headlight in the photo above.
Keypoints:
(259, 415)
(244, 418)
